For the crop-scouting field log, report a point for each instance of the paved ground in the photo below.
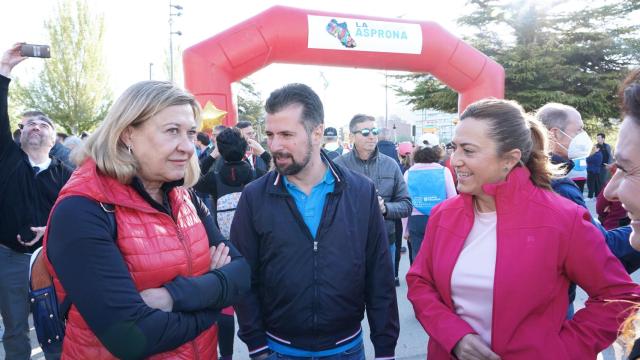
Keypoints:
(413, 339)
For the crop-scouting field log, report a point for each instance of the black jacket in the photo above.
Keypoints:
(313, 292)
(25, 198)
(234, 175)
(62, 153)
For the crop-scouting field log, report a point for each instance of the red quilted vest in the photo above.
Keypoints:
(155, 248)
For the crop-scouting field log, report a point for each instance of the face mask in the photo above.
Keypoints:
(580, 146)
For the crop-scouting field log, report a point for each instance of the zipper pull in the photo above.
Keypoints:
(315, 246)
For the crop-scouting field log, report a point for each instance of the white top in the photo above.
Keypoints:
(43, 165)
(473, 275)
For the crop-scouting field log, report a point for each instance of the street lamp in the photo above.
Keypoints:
(171, 33)
(386, 100)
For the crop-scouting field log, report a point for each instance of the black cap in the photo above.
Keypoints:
(330, 131)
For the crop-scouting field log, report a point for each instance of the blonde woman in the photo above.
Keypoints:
(129, 246)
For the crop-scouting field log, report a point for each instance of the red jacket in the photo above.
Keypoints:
(155, 255)
(610, 213)
(544, 242)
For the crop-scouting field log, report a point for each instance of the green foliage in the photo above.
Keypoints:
(250, 107)
(573, 57)
(15, 110)
(73, 86)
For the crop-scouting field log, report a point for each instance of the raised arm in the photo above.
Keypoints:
(9, 59)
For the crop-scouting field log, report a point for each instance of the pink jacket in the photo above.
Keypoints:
(544, 243)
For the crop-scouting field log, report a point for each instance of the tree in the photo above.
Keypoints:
(250, 106)
(72, 88)
(178, 71)
(577, 57)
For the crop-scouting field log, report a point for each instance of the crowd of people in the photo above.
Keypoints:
(154, 236)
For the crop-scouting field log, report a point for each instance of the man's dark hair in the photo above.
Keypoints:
(38, 115)
(357, 119)
(203, 138)
(243, 124)
(427, 154)
(231, 145)
(601, 135)
(298, 94)
(62, 135)
(33, 113)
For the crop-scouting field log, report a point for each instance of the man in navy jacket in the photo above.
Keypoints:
(314, 236)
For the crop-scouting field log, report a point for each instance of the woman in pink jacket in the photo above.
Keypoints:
(491, 281)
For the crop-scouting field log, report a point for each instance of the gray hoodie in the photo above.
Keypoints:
(385, 174)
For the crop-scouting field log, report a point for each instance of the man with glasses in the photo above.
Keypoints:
(30, 181)
(393, 196)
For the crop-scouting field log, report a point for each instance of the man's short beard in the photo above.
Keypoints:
(295, 167)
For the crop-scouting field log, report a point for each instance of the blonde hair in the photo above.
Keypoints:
(137, 104)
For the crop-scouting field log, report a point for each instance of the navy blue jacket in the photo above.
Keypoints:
(388, 148)
(312, 293)
(594, 162)
(617, 239)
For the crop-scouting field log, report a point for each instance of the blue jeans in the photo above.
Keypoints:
(14, 303)
(355, 353)
(417, 225)
(392, 252)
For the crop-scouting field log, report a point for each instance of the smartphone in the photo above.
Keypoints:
(31, 50)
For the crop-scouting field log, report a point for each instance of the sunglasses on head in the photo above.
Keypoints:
(366, 132)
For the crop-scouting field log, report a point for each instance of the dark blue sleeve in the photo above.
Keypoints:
(380, 294)
(5, 129)
(92, 271)
(246, 238)
(617, 239)
(213, 233)
(618, 242)
(218, 288)
(570, 191)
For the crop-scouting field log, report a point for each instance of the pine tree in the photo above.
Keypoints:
(549, 54)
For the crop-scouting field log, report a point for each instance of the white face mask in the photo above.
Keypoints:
(580, 145)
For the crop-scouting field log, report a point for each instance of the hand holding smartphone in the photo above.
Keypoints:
(32, 50)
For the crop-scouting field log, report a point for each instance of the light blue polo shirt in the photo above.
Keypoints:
(311, 206)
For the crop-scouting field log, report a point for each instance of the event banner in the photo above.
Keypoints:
(364, 35)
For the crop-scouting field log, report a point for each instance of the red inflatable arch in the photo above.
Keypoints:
(289, 35)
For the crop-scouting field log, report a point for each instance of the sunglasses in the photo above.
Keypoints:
(366, 132)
